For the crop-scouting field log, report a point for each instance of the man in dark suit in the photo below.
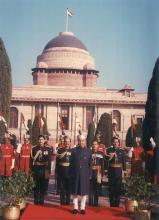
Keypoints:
(80, 173)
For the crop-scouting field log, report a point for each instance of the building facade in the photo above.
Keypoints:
(65, 86)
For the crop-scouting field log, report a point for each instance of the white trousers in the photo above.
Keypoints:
(82, 202)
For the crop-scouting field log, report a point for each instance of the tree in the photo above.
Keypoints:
(5, 86)
(151, 120)
(3, 129)
(104, 128)
(90, 135)
(132, 134)
(36, 131)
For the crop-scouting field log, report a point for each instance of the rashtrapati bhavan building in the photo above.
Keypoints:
(65, 83)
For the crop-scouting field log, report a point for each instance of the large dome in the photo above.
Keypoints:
(65, 39)
(66, 51)
(65, 61)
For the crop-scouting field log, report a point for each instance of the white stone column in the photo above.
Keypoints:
(45, 111)
(84, 118)
(74, 123)
(57, 124)
(70, 118)
(97, 113)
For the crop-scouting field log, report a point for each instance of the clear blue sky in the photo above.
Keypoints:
(122, 35)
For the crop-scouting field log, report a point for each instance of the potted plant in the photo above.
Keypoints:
(139, 190)
(130, 185)
(1, 197)
(146, 194)
(15, 189)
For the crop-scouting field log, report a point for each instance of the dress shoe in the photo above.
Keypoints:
(74, 211)
(82, 212)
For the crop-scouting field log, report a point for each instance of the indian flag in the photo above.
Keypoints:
(69, 13)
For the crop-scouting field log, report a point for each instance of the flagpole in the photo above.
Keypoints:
(123, 130)
(132, 129)
(57, 132)
(95, 118)
(39, 118)
(112, 113)
(20, 129)
(67, 20)
(75, 127)
(20, 134)
(71, 120)
(40, 127)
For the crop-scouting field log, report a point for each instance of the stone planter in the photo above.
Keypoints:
(11, 212)
(130, 205)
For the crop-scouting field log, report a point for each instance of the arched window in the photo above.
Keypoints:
(39, 108)
(117, 117)
(65, 116)
(13, 118)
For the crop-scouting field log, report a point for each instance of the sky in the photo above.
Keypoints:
(122, 36)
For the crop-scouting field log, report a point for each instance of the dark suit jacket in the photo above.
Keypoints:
(80, 170)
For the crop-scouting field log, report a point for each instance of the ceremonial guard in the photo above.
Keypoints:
(51, 152)
(24, 152)
(13, 140)
(117, 164)
(7, 159)
(41, 167)
(101, 147)
(57, 146)
(60, 143)
(97, 173)
(156, 164)
(62, 169)
(149, 161)
(137, 158)
(80, 173)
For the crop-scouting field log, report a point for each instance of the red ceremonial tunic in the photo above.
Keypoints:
(149, 153)
(25, 158)
(102, 148)
(7, 154)
(137, 159)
